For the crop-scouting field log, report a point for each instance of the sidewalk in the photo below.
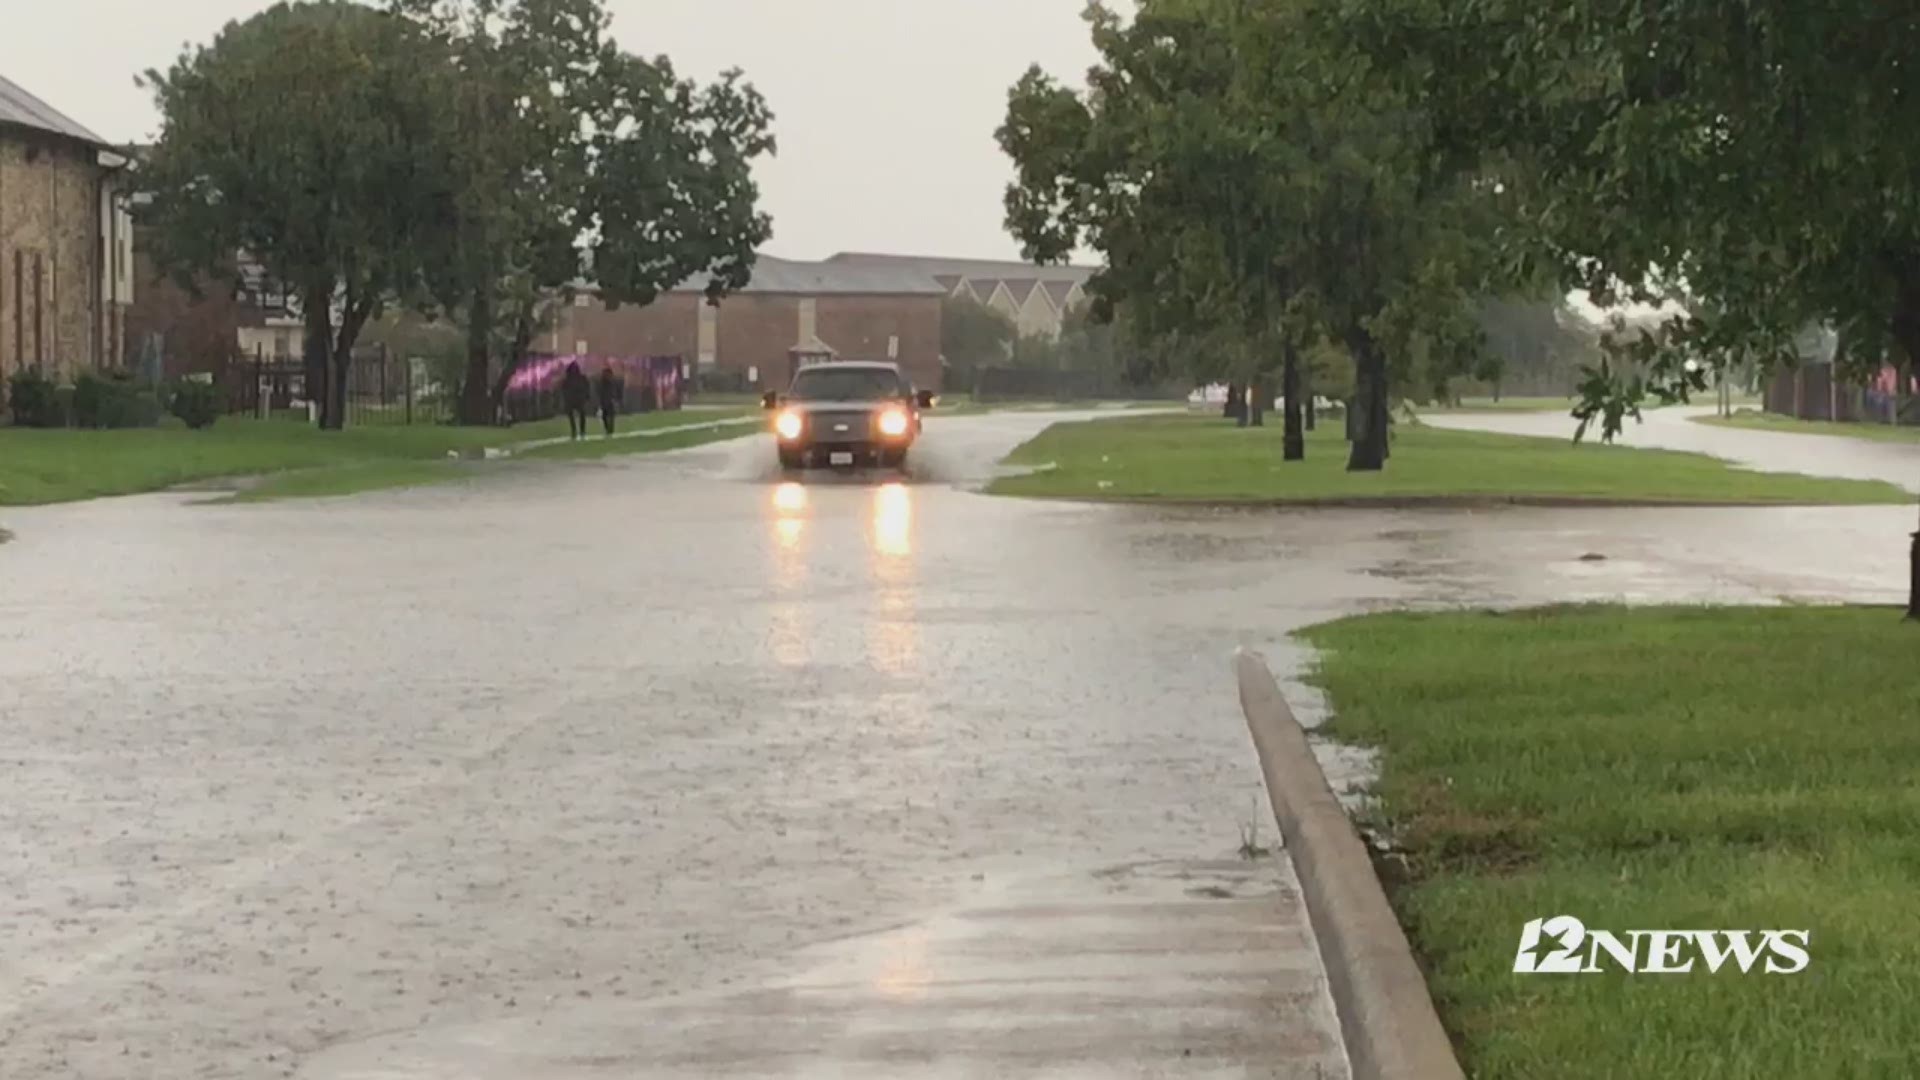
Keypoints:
(1188, 970)
(647, 433)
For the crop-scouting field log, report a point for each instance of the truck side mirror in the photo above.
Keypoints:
(924, 399)
(769, 400)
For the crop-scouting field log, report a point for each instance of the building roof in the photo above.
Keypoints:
(21, 109)
(1059, 292)
(973, 269)
(790, 277)
(1021, 288)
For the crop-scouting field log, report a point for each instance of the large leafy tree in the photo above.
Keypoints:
(581, 160)
(1758, 154)
(305, 136)
(973, 336)
(1246, 172)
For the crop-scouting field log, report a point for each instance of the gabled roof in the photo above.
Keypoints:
(1060, 292)
(22, 110)
(1021, 289)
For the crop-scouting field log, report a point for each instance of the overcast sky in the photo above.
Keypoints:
(885, 109)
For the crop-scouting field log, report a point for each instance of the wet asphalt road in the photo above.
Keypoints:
(283, 778)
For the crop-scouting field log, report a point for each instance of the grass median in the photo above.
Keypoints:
(295, 459)
(1759, 421)
(1650, 769)
(1204, 459)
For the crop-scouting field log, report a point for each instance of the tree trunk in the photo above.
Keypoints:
(334, 417)
(1236, 407)
(1294, 439)
(1306, 394)
(354, 313)
(1369, 453)
(1906, 331)
(317, 347)
(516, 356)
(476, 397)
(1257, 403)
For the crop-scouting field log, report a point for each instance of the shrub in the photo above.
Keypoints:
(89, 392)
(195, 402)
(35, 400)
(113, 400)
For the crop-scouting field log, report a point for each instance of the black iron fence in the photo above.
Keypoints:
(381, 388)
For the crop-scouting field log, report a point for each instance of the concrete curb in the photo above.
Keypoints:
(1431, 502)
(1386, 1016)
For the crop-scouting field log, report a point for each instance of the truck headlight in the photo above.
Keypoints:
(893, 423)
(787, 425)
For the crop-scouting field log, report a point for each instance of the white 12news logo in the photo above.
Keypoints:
(1564, 945)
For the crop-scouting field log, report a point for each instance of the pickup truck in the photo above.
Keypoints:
(845, 414)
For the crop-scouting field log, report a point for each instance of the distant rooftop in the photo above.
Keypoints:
(20, 109)
(787, 276)
(972, 269)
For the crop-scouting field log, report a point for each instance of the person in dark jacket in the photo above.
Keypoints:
(575, 389)
(610, 389)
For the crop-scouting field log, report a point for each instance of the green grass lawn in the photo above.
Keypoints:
(1760, 421)
(61, 466)
(1206, 459)
(1651, 769)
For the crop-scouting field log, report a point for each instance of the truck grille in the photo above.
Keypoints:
(825, 425)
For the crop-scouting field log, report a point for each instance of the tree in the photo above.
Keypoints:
(973, 336)
(304, 136)
(577, 158)
(1757, 152)
(1245, 172)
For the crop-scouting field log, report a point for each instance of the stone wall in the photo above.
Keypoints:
(53, 311)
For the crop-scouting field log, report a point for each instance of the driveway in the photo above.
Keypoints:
(662, 766)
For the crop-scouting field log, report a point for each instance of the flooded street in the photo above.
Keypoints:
(573, 744)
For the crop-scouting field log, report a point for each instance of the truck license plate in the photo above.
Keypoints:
(840, 457)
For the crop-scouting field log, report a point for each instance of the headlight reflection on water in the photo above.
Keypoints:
(893, 520)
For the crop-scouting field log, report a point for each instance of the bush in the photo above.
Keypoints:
(113, 400)
(195, 402)
(35, 400)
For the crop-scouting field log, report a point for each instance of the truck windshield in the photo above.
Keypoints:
(845, 384)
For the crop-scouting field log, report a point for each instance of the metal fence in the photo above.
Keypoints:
(381, 389)
(1810, 392)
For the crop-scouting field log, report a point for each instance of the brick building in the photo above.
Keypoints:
(788, 310)
(66, 274)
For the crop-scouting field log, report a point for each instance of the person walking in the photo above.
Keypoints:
(611, 390)
(575, 389)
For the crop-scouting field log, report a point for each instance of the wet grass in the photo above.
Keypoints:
(1760, 421)
(38, 467)
(1645, 769)
(1203, 458)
